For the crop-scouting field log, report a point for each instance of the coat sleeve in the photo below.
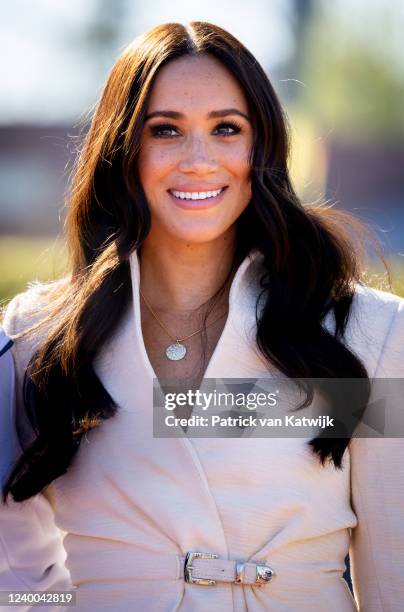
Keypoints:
(377, 490)
(32, 556)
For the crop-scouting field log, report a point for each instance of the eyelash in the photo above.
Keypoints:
(155, 129)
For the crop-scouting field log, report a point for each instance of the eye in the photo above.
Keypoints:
(167, 130)
(234, 127)
(161, 131)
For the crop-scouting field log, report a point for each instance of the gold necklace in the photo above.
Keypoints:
(177, 350)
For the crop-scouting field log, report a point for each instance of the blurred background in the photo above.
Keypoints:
(338, 68)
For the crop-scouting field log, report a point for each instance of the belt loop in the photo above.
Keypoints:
(240, 570)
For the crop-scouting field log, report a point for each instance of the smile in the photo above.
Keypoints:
(195, 195)
(197, 200)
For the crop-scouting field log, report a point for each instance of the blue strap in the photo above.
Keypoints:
(5, 348)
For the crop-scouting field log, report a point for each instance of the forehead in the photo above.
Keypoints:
(196, 81)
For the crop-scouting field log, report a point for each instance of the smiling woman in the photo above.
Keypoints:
(191, 257)
(199, 160)
(196, 175)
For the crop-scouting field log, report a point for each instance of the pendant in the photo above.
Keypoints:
(176, 351)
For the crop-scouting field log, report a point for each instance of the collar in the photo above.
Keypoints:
(124, 358)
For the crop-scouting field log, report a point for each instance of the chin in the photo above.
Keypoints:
(197, 233)
(197, 238)
(189, 231)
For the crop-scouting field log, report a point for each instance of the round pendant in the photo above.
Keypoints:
(176, 351)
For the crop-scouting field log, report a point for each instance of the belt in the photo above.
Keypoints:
(196, 568)
(207, 568)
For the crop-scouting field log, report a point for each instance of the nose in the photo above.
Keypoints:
(198, 156)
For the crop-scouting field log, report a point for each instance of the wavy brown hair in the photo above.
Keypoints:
(310, 266)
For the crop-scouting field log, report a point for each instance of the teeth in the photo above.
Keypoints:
(196, 195)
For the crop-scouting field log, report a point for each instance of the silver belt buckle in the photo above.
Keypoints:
(188, 568)
(264, 574)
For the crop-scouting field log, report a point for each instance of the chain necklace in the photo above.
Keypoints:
(176, 350)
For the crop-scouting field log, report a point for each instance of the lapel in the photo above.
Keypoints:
(125, 371)
(177, 494)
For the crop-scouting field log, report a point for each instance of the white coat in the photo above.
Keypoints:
(116, 524)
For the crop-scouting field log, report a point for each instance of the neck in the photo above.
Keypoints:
(180, 278)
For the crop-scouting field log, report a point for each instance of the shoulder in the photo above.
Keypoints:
(375, 312)
(375, 330)
(376, 302)
(32, 306)
(22, 313)
(25, 309)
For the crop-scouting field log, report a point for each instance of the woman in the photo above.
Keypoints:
(183, 227)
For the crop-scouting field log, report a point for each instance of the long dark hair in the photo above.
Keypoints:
(309, 258)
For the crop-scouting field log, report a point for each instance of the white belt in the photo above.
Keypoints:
(207, 568)
(198, 568)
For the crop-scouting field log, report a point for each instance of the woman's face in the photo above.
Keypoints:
(195, 145)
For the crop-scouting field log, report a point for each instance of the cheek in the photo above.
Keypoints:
(238, 163)
(243, 175)
(153, 164)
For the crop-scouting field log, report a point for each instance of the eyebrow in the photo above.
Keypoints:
(212, 115)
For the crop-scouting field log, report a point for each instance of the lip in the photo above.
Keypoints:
(198, 204)
(198, 187)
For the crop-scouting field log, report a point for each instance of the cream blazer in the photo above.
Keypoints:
(114, 526)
